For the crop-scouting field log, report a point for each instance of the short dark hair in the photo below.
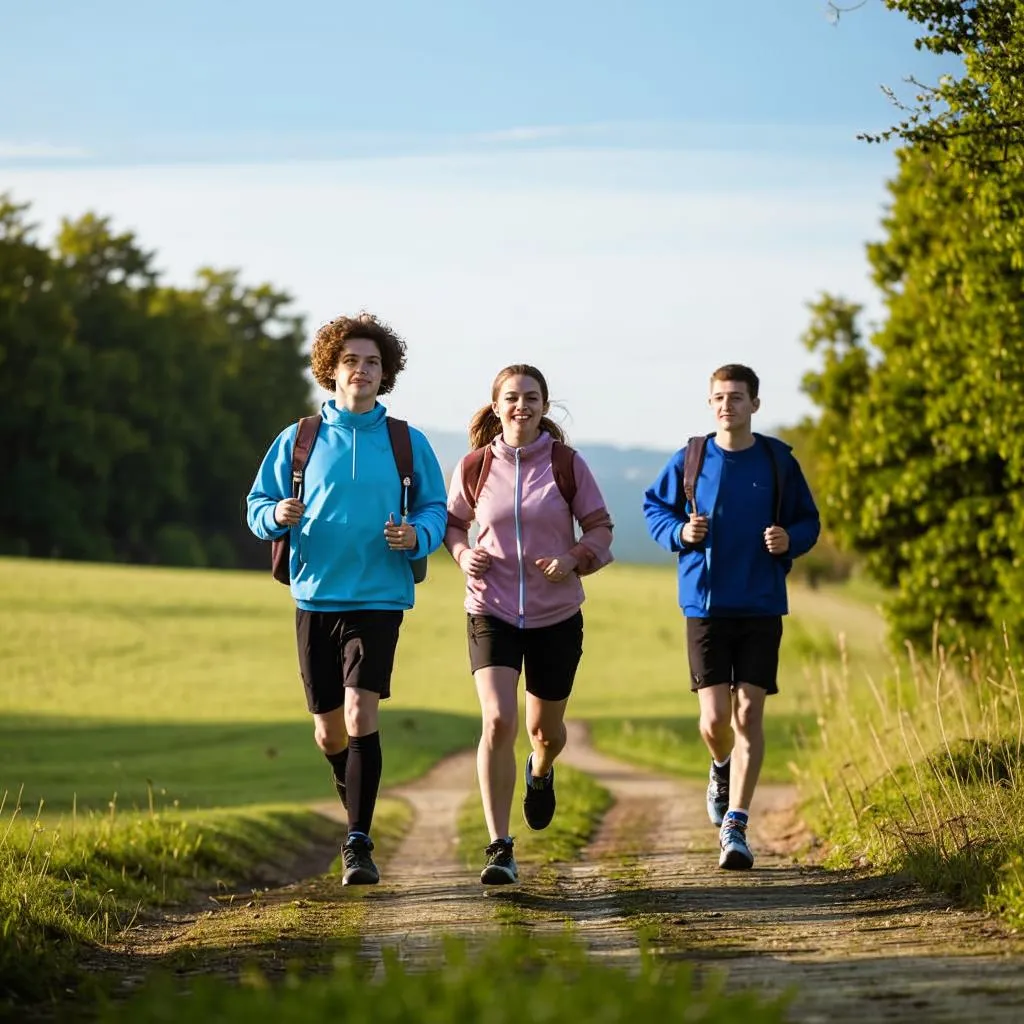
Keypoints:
(740, 373)
(330, 340)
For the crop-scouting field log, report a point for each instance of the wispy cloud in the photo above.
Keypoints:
(626, 276)
(39, 151)
(537, 133)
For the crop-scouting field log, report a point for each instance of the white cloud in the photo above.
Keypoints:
(10, 150)
(540, 133)
(626, 276)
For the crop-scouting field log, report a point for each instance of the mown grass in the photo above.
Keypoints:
(508, 980)
(112, 676)
(923, 772)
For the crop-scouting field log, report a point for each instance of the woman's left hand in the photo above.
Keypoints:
(557, 569)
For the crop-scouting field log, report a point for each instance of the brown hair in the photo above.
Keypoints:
(739, 373)
(330, 339)
(485, 426)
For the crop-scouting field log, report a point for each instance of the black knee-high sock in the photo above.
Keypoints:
(338, 763)
(362, 780)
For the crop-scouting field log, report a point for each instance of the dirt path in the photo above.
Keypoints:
(856, 948)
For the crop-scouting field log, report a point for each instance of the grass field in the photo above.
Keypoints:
(116, 679)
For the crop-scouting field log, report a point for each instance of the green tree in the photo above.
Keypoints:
(132, 414)
(923, 434)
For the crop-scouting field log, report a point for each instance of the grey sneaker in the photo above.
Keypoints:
(500, 868)
(736, 855)
(718, 796)
(539, 798)
(359, 866)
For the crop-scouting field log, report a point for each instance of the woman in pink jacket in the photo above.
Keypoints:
(526, 489)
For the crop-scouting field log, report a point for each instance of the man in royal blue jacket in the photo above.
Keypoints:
(733, 561)
(350, 556)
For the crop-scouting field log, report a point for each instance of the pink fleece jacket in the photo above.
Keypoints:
(523, 517)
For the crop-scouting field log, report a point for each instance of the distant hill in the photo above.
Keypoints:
(623, 473)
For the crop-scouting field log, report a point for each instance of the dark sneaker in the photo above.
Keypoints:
(500, 868)
(359, 866)
(539, 798)
(718, 795)
(736, 855)
(339, 784)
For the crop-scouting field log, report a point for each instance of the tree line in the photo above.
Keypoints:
(132, 413)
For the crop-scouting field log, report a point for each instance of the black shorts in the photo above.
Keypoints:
(339, 649)
(734, 650)
(551, 654)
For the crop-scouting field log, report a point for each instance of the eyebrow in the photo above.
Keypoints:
(529, 394)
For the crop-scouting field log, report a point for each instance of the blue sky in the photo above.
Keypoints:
(627, 195)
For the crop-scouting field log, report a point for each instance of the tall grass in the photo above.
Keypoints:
(922, 772)
(84, 881)
(514, 978)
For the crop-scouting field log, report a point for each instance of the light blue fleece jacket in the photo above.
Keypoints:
(339, 558)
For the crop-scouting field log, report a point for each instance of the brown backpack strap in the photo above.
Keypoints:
(563, 460)
(401, 446)
(693, 461)
(305, 437)
(475, 467)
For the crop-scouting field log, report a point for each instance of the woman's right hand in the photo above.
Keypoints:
(474, 562)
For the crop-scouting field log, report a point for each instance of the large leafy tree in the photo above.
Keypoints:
(921, 432)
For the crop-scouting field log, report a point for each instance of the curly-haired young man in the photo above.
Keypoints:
(736, 525)
(350, 556)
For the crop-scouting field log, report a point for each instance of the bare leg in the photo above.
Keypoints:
(748, 753)
(545, 722)
(496, 757)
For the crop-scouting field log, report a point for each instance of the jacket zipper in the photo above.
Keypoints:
(355, 434)
(519, 544)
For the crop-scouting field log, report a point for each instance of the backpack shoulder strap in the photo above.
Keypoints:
(563, 468)
(777, 477)
(401, 447)
(693, 461)
(475, 467)
(306, 433)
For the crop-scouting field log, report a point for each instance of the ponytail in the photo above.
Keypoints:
(484, 427)
(548, 424)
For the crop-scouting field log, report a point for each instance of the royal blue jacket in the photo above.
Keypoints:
(731, 571)
(339, 558)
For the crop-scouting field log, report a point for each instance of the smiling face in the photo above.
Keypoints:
(519, 403)
(357, 376)
(733, 407)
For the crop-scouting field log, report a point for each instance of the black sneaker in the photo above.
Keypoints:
(500, 868)
(359, 866)
(539, 798)
(339, 783)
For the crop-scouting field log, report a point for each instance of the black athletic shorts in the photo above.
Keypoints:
(551, 654)
(734, 650)
(339, 649)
